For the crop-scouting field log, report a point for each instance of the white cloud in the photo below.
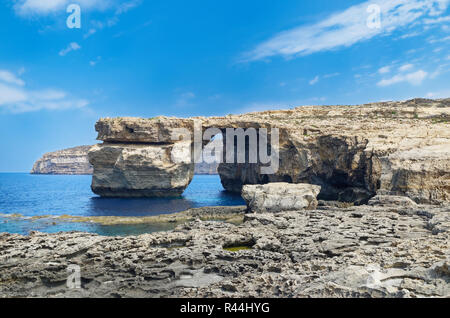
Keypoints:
(314, 81)
(405, 67)
(94, 62)
(438, 20)
(415, 78)
(331, 75)
(8, 77)
(434, 40)
(11, 95)
(45, 7)
(384, 70)
(15, 98)
(91, 31)
(74, 46)
(128, 5)
(121, 8)
(441, 69)
(346, 28)
(185, 98)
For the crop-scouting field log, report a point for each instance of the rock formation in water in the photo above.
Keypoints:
(139, 159)
(352, 152)
(382, 250)
(72, 161)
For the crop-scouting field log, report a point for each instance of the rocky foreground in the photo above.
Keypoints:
(389, 248)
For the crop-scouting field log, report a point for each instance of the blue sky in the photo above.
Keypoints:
(189, 58)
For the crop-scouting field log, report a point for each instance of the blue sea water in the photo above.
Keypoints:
(42, 195)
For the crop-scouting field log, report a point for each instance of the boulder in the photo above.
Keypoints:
(277, 197)
(139, 170)
(392, 200)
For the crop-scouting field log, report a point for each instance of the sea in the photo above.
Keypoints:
(29, 203)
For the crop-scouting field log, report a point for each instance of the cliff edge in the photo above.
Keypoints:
(72, 161)
(352, 152)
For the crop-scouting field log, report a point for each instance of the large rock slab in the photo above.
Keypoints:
(141, 130)
(72, 161)
(140, 170)
(277, 197)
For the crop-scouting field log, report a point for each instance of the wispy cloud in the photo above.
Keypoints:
(120, 9)
(15, 98)
(41, 8)
(405, 67)
(10, 78)
(384, 70)
(439, 40)
(317, 78)
(331, 75)
(346, 28)
(74, 46)
(414, 78)
(185, 99)
(45, 7)
(314, 81)
(94, 62)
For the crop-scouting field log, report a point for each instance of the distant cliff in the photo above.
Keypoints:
(72, 161)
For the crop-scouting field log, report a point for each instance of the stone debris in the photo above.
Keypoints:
(278, 197)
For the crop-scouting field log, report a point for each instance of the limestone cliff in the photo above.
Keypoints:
(352, 152)
(72, 161)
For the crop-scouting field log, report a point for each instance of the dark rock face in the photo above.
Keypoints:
(72, 161)
(356, 152)
(341, 166)
(363, 251)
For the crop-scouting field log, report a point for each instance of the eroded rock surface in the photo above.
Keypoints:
(68, 161)
(363, 251)
(140, 170)
(278, 197)
(352, 152)
(355, 152)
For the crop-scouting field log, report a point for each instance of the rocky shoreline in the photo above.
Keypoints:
(359, 207)
(384, 249)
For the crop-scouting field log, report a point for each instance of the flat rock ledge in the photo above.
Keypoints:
(278, 197)
(361, 251)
